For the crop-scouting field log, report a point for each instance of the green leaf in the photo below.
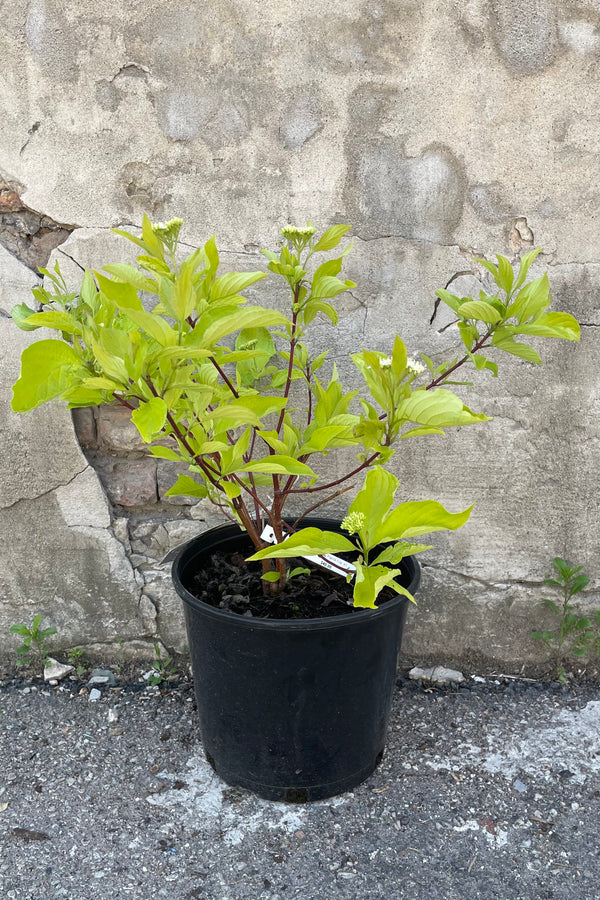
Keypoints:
(331, 238)
(184, 298)
(133, 276)
(369, 581)
(187, 487)
(531, 300)
(232, 490)
(553, 324)
(505, 276)
(124, 295)
(47, 370)
(307, 542)
(23, 630)
(524, 351)
(438, 408)
(260, 341)
(524, 265)
(487, 265)
(271, 576)
(157, 327)
(20, 315)
(150, 417)
(396, 552)
(372, 502)
(418, 517)
(480, 310)
(151, 240)
(249, 317)
(420, 432)
(328, 286)
(449, 299)
(233, 283)
(159, 452)
(51, 318)
(278, 465)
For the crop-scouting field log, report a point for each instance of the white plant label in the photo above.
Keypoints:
(326, 561)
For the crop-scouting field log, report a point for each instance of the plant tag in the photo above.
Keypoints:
(326, 560)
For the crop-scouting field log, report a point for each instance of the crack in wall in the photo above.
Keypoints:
(51, 490)
(28, 235)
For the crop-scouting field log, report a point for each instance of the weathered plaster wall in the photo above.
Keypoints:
(439, 129)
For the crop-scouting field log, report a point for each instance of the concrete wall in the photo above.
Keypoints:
(439, 130)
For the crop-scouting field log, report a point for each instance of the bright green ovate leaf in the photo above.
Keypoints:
(328, 286)
(61, 321)
(524, 265)
(505, 276)
(184, 298)
(553, 324)
(47, 370)
(418, 517)
(449, 299)
(319, 439)
(307, 542)
(468, 333)
(420, 432)
(371, 504)
(165, 453)
(271, 576)
(272, 439)
(369, 581)
(397, 552)
(232, 490)
(157, 327)
(250, 317)
(278, 465)
(439, 408)
(487, 265)
(232, 284)
(150, 417)
(101, 384)
(331, 238)
(124, 295)
(111, 366)
(151, 240)
(260, 341)
(480, 310)
(21, 314)
(76, 397)
(187, 487)
(133, 276)
(524, 351)
(532, 300)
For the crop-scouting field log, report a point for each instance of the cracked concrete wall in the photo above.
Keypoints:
(440, 130)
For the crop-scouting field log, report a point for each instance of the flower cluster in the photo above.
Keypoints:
(353, 522)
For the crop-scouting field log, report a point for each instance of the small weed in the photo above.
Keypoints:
(75, 658)
(163, 668)
(35, 640)
(576, 635)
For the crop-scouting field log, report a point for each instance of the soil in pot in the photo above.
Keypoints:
(228, 582)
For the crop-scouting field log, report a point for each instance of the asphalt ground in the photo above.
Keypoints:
(488, 791)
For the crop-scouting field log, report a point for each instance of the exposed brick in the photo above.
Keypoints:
(166, 476)
(128, 482)
(85, 427)
(116, 431)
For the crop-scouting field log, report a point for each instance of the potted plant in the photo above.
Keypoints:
(294, 662)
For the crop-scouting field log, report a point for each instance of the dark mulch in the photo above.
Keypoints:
(230, 583)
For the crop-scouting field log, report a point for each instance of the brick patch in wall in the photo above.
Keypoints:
(116, 431)
(29, 235)
(128, 482)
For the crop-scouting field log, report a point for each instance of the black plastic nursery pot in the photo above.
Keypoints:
(293, 710)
